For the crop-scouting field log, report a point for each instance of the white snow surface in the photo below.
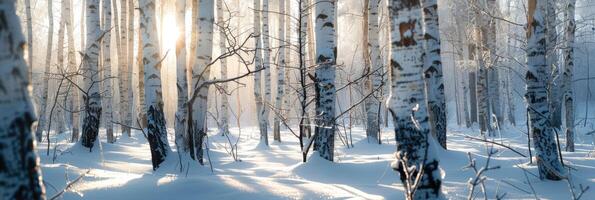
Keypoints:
(123, 170)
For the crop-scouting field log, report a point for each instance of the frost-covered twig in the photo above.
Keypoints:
(70, 184)
(479, 178)
(492, 142)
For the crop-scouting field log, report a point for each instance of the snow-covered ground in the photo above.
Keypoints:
(123, 170)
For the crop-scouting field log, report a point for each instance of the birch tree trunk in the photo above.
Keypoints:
(569, 74)
(124, 70)
(266, 64)
(58, 118)
(372, 104)
(20, 174)
(433, 72)
(107, 70)
(156, 129)
(91, 78)
(182, 78)
(41, 125)
(548, 162)
(326, 50)
(224, 116)
(407, 101)
(482, 90)
(201, 71)
(74, 102)
(551, 55)
(141, 111)
(130, 62)
(281, 64)
(258, 65)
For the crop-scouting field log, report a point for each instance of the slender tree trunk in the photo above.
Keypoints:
(483, 104)
(107, 70)
(156, 129)
(224, 117)
(130, 93)
(91, 78)
(123, 67)
(281, 65)
(548, 162)
(433, 72)
(73, 101)
(141, 112)
(326, 50)
(408, 108)
(554, 89)
(182, 78)
(266, 64)
(59, 117)
(372, 104)
(20, 170)
(201, 71)
(569, 73)
(45, 84)
(258, 64)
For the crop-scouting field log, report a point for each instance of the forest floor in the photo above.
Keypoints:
(123, 170)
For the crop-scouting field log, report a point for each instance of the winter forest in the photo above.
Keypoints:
(297, 99)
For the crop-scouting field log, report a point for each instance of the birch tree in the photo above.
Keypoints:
(107, 70)
(266, 64)
(198, 106)
(45, 82)
(372, 104)
(433, 72)
(224, 111)
(156, 130)
(73, 102)
(569, 73)
(20, 174)
(91, 79)
(130, 62)
(548, 162)
(124, 70)
(181, 73)
(258, 64)
(325, 77)
(281, 65)
(407, 102)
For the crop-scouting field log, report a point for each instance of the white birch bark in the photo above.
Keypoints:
(73, 101)
(200, 74)
(130, 61)
(124, 70)
(281, 64)
(258, 64)
(156, 129)
(433, 72)
(407, 102)
(326, 50)
(554, 93)
(20, 174)
(41, 125)
(569, 74)
(548, 162)
(182, 77)
(107, 70)
(91, 78)
(266, 43)
(481, 88)
(58, 117)
(224, 111)
(372, 104)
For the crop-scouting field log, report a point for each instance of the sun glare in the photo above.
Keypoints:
(169, 31)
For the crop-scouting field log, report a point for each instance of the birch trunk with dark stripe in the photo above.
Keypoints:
(408, 102)
(20, 175)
